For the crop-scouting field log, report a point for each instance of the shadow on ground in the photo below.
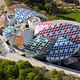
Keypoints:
(66, 18)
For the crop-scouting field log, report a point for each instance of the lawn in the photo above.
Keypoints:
(71, 15)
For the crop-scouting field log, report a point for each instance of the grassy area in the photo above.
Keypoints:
(71, 15)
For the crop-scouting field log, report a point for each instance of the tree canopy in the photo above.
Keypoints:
(23, 70)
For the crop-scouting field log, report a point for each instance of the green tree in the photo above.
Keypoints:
(1, 73)
(57, 78)
(36, 69)
(11, 71)
(24, 64)
(43, 70)
(47, 5)
(5, 63)
(40, 70)
(47, 1)
(1, 61)
(47, 77)
(71, 77)
(61, 73)
(39, 77)
(51, 8)
(35, 8)
(31, 76)
(22, 74)
(43, 12)
(53, 72)
(10, 79)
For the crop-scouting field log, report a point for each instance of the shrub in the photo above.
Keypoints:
(24, 64)
(47, 76)
(11, 79)
(11, 71)
(50, 17)
(70, 77)
(1, 73)
(39, 77)
(42, 11)
(5, 63)
(61, 73)
(36, 69)
(22, 74)
(35, 8)
(31, 76)
(43, 70)
(23, 70)
(57, 78)
(56, 75)
(1, 61)
(53, 72)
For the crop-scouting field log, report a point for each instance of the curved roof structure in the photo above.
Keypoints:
(18, 38)
(38, 46)
(7, 32)
(19, 41)
(62, 49)
(70, 31)
(3, 21)
(57, 22)
(42, 25)
(23, 14)
(8, 29)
